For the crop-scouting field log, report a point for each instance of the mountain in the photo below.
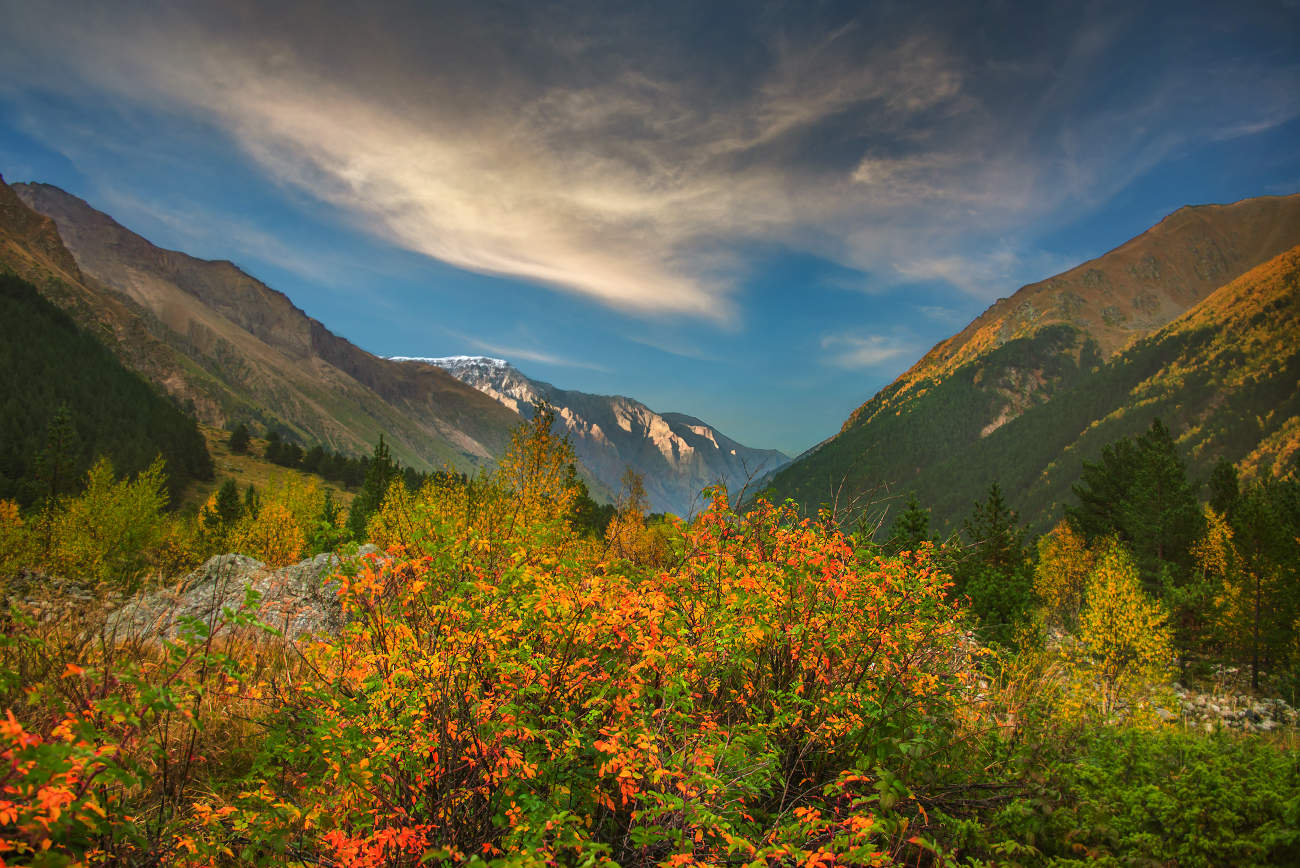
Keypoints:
(235, 349)
(677, 455)
(49, 365)
(1041, 380)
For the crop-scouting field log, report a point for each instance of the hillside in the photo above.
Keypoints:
(677, 455)
(1021, 395)
(46, 363)
(238, 350)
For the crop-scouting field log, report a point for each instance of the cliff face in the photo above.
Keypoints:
(677, 455)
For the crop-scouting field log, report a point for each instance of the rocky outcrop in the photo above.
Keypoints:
(297, 600)
(1240, 712)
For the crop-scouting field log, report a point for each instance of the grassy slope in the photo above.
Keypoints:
(249, 469)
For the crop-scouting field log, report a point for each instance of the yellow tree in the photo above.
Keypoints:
(1064, 562)
(273, 536)
(1219, 571)
(534, 472)
(107, 533)
(1121, 628)
(628, 525)
(15, 541)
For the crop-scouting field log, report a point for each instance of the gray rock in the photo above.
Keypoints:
(297, 600)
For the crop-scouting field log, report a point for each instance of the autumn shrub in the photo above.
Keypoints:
(110, 743)
(770, 698)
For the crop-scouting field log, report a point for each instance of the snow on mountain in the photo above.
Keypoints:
(676, 455)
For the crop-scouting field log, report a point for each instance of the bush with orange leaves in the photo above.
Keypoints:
(771, 697)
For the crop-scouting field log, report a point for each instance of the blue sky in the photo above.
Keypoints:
(755, 213)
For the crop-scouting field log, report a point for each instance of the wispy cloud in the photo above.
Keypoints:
(516, 354)
(602, 156)
(865, 351)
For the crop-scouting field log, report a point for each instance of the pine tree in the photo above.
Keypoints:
(239, 439)
(911, 528)
(229, 509)
(1160, 515)
(995, 572)
(379, 475)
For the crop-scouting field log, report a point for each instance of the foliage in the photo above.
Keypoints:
(1061, 573)
(1121, 629)
(762, 694)
(106, 533)
(1161, 797)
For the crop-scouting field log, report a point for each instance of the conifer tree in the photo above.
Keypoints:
(995, 572)
(1160, 515)
(379, 475)
(229, 508)
(239, 439)
(911, 528)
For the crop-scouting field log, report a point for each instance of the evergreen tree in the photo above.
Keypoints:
(995, 533)
(379, 475)
(1139, 492)
(1160, 516)
(995, 572)
(229, 507)
(911, 528)
(1102, 489)
(239, 439)
(56, 466)
(1224, 487)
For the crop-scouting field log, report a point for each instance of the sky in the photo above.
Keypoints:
(757, 213)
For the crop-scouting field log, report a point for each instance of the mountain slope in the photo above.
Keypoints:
(240, 351)
(1014, 395)
(676, 455)
(48, 362)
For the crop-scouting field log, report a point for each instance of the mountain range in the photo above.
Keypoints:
(677, 455)
(1194, 321)
(231, 349)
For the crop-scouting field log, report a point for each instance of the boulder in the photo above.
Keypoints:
(297, 600)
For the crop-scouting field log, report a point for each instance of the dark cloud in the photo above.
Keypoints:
(624, 153)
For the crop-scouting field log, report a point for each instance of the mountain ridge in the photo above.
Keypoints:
(242, 351)
(1050, 338)
(676, 454)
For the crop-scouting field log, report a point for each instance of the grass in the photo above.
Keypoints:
(247, 469)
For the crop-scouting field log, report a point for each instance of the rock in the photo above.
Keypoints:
(297, 600)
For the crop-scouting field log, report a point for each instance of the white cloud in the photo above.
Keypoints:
(864, 351)
(574, 153)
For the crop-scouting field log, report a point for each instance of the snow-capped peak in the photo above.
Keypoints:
(454, 361)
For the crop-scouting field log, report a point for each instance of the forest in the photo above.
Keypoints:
(525, 678)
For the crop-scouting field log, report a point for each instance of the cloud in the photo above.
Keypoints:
(998, 271)
(627, 158)
(864, 351)
(515, 354)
